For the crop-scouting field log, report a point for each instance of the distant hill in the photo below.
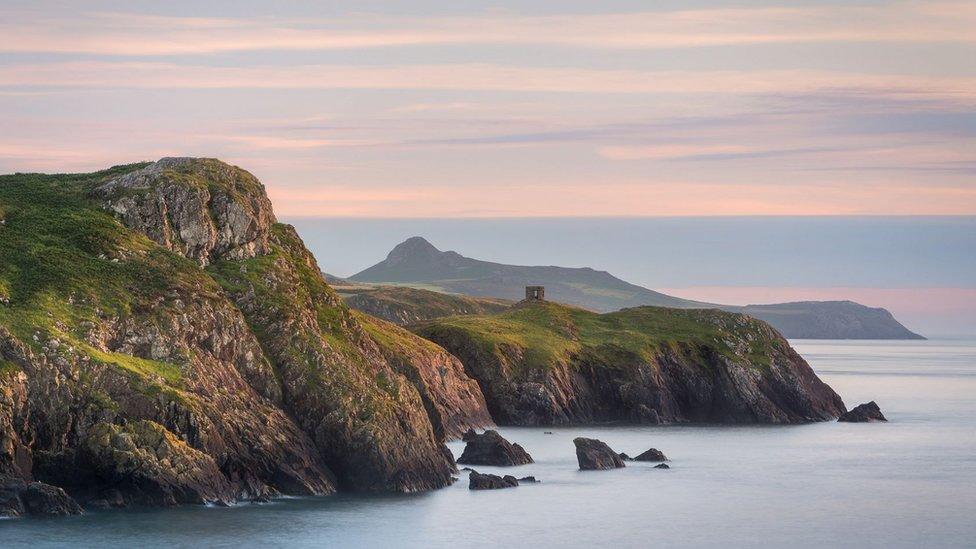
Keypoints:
(416, 262)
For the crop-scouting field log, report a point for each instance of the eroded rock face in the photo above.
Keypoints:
(142, 378)
(200, 208)
(490, 448)
(484, 481)
(19, 498)
(148, 465)
(652, 454)
(863, 413)
(745, 373)
(45, 500)
(593, 454)
(453, 400)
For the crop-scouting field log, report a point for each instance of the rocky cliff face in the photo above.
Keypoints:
(129, 374)
(543, 364)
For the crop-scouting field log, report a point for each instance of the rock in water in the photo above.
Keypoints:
(479, 481)
(652, 455)
(625, 457)
(46, 500)
(662, 466)
(490, 448)
(593, 454)
(530, 480)
(863, 413)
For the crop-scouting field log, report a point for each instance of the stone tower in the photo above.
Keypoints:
(535, 293)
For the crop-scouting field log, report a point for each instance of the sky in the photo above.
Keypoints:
(529, 109)
(467, 109)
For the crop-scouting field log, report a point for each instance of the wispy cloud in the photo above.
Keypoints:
(135, 34)
(483, 77)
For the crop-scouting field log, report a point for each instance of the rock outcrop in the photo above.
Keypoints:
(652, 454)
(403, 305)
(484, 481)
(542, 363)
(19, 498)
(863, 413)
(490, 448)
(163, 341)
(593, 455)
(200, 208)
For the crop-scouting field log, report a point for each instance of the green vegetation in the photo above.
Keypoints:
(67, 265)
(8, 367)
(549, 334)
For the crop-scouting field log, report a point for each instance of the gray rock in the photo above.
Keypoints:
(479, 481)
(593, 454)
(46, 500)
(662, 466)
(864, 413)
(652, 454)
(490, 448)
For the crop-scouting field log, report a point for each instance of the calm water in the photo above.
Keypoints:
(908, 483)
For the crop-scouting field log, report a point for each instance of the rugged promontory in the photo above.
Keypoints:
(542, 363)
(164, 340)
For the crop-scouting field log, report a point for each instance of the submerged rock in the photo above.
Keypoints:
(863, 413)
(529, 480)
(484, 481)
(662, 466)
(490, 448)
(652, 454)
(593, 454)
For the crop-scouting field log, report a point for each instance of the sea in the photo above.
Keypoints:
(910, 482)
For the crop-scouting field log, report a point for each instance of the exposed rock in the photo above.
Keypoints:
(625, 457)
(863, 413)
(651, 455)
(529, 480)
(453, 400)
(490, 448)
(19, 498)
(469, 435)
(170, 383)
(45, 500)
(148, 465)
(643, 365)
(11, 489)
(593, 454)
(662, 466)
(484, 481)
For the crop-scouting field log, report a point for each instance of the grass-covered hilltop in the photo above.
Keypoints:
(542, 363)
(164, 340)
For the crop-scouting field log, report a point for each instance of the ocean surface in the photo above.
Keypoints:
(908, 483)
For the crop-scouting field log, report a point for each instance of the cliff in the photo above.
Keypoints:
(163, 340)
(542, 364)
(415, 261)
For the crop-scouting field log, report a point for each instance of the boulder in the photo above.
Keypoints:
(46, 500)
(529, 480)
(625, 457)
(863, 413)
(662, 466)
(652, 454)
(490, 448)
(593, 454)
(479, 481)
(19, 498)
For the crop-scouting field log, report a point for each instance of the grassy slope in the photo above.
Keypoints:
(550, 333)
(66, 263)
